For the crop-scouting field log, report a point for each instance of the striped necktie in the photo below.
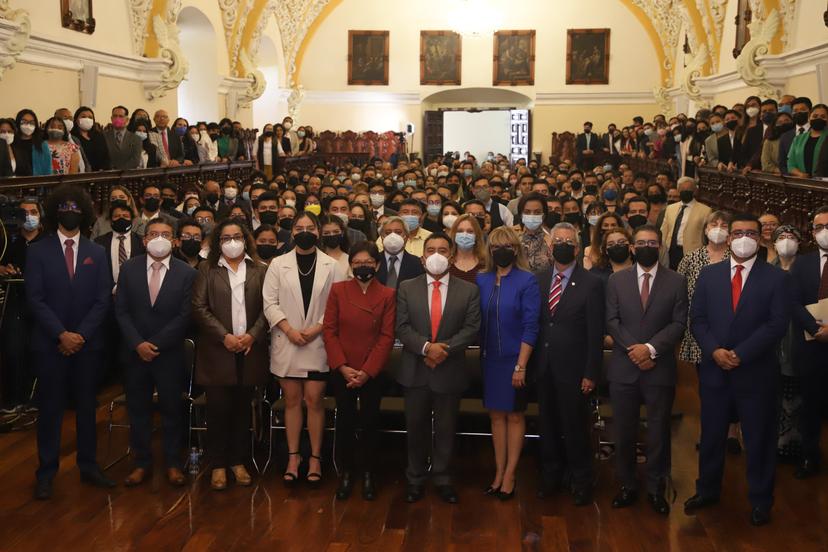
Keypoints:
(555, 293)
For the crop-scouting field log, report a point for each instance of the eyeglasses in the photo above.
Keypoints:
(204, 220)
(152, 234)
(300, 229)
(736, 234)
(646, 243)
(365, 263)
(226, 239)
(559, 241)
(185, 237)
(619, 242)
(820, 227)
(499, 247)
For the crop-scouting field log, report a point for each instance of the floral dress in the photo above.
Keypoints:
(537, 249)
(690, 267)
(62, 153)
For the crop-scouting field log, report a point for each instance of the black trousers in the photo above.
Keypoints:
(565, 433)
(166, 375)
(419, 402)
(56, 374)
(813, 385)
(349, 419)
(229, 412)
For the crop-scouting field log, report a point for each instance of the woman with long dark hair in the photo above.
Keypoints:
(31, 152)
(91, 139)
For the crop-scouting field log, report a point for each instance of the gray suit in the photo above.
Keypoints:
(127, 155)
(439, 388)
(661, 324)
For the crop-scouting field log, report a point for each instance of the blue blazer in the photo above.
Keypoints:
(518, 312)
(164, 324)
(753, 331)
(58, 304)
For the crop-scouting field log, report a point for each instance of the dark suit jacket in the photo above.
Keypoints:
(5, 161)
(164, 324)
(570, 344)
(273, 151)
(753, 331)
(409, 267)
(805, 274)
(752, 145)
(359, 327)
(785, 142)
(661, 324)
(595, 144)
(136, 246)
(459, 327)
(728, 154)
(174, 143)
(58, 304)
(128, 154)
(822, 166)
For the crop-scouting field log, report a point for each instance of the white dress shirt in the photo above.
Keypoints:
(267, 151)
(505, 214)
(442, 290)
(684, 219)
(237, 278)
(823, 257)
(748, 265)
(113, 252)
(63, 237)
(162, 272)
(652, 272)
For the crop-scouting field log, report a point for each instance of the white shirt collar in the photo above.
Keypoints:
(63, 237)
(747, 264)
(444, 281)
(165, 262)
(806, 127)
(225, 264)
(640, 271)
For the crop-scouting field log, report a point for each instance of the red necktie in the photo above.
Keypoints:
(69, 255)
(164, 140)
(645, 289)
(436, 310)
(736, 286)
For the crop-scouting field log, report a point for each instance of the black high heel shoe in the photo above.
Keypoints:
(290, 478)
(507, 496)
(492, 491)
(314, 479)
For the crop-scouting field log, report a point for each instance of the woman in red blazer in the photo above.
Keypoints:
(359, 334)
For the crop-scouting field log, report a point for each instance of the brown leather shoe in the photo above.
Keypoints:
(176, 477)
(242, 476)
(218, 480)
(137, 477)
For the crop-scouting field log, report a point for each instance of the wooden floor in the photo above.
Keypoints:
(268, 517)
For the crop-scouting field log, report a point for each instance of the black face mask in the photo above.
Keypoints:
(657, 198)
(331, 242)
(481, 221)
(800, 117)
(572, 218)
(618, 253)
(646, 256)
(552, 219)
(151, 204)
(190, 248)
(268, 134)
(266, 251)
(768, 117)
(364, 273)
(121, 225)
(454, 188)
(69, 219)
(214, 137)
(293, 181)
(269, 217)
(577, 185)
(226, 129)
(305, 240)
(818, 124)
(211, 197)
(357, 224)
(168, 204)
(591, 189)
(503, 256)
(732, 124)
(686, 196)
(637, 220)
(286, 223)
(564, 253)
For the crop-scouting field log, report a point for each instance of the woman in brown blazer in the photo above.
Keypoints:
(231, 345)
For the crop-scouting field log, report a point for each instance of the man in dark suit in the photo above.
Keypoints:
(811, 285)
(729, 144)
(800, 113)
(68, 290)
(171, 147)
(152, 306)
(646, 318)
(212, 198)
(438, 317)
(124, 147)
(741, 310)
(586, 145)
(122, 243)
(338, 207)
(566, 364)
(397, 264)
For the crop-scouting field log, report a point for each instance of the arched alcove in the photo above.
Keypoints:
(196, 94)
(268, 108)
(477, 97)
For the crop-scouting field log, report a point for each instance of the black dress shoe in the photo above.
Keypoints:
(659, 504)
(549, 488)
(369, 490)
(733, 445)
(43, 489)
(626, 497)
(414, 493)
(447, 494)
(697, 502)
(759, 517)
(96, 478)
(807, 468)
(346, 485)
(582, 497)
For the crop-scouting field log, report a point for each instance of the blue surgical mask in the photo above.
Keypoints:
(412, 183)
(532, 222)
(32, 222)
(464, 240)
(467, 172)
(610, 195)
(400, 185)
(246, 196)
(411, 222)
(716, 127)
(191, 210)
(786, 109)
(433, 209)
(181, 131)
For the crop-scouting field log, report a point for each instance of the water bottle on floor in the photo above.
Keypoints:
(193, 463)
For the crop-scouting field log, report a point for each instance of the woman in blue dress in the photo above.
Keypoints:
(510, 308)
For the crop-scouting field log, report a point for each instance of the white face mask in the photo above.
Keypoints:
(786, 247)
(142, 135)
(377, 199)
(436, 264)
(231, 193)
(822, 238)
(7, 136)
(448, 221)
(717, 235)
(27, 129)
(343, 217)
(159, 247)
(232, 249)
(290, 202)
(393, 243)
(752, 111)
(744, 247)
(70, 124)
(85, 123)
(287, 125)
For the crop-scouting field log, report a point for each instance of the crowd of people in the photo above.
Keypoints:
(310, 278)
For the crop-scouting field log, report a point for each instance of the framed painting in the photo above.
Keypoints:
(587, 56)
(440, 57)
(77, 15)
(368, 57)
(514, 58)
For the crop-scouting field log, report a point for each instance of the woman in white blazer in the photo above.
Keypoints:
(296, 292)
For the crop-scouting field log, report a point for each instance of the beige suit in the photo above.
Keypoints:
(693, 228)
(283, 301)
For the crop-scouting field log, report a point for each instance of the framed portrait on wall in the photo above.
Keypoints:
(514, 58)
(440, 57)
(368, 57)
(77, 15)
(587, 56)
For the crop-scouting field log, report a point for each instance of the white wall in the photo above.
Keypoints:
(198, 42)
(478, 133)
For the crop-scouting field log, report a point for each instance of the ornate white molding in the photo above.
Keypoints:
(255, 39)
(257, 83)
(15, 28)
(593, 98)
(294, 99)
(229, 14)
(360, 97)
(666, 18)
(235, 43)
(666, 106)
(139, 11)
(169, 49)
(788, 10)
(762, 32)
(295, 18)
(692, 72)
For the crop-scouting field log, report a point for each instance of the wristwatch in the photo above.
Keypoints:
(518, 368)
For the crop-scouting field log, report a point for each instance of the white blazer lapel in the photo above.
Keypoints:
(324, 265)
(290, 275)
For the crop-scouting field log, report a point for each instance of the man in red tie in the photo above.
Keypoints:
(438, 317)
(740, 311)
